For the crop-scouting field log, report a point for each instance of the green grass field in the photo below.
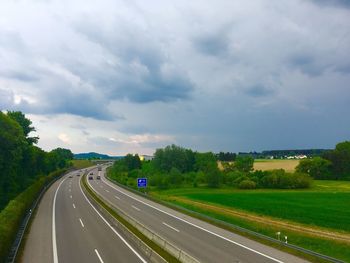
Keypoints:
(326, 204)
(325, 207)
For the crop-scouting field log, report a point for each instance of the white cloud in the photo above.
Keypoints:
(64, 138)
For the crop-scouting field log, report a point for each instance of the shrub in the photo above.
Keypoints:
(247, 184)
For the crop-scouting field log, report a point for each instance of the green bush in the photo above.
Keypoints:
(282, 180)
(247, 184)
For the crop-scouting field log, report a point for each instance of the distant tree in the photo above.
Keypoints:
(206, 163)
(317, 168)
(340, 159)
(132, 162)
(25, 123)
(244, 163)
(60, 157)
(226, 157)
(174, 157)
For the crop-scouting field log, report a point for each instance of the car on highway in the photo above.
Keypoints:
(91, 178)
(98, 177)
(78, 174)
(70, 176)
(91, 173)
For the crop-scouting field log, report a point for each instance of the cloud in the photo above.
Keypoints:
(336, 3)
(217, 75)
(139, 73)
(64, 138)
(259, 91)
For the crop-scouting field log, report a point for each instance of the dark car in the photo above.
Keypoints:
(98, 177)
(91, 178)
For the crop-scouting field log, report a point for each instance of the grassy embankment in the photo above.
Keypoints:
(11, 216)
(317, 219)
(81, 164)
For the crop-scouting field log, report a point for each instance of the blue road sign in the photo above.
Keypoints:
(141, 182)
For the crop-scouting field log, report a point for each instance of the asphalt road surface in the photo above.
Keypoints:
(205, 242)
(66, 228)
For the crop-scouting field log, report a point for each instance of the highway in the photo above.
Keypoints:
(205, 242)
(67, 228)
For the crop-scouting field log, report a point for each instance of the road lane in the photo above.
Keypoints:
(81, 234)
(203, 241)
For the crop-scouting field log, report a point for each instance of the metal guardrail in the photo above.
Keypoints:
(178, 253)
(23, 226)
(220, 222)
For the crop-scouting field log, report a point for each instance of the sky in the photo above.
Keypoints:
(129, 76)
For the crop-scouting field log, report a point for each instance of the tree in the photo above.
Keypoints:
(60, 157)
(317, 168)
(12, 143)
(340, 159)
(226, 157)
(132, 162)
(174, 157)
(244, 163)
(25, 123)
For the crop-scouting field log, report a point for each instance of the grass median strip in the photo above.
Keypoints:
(154, 246)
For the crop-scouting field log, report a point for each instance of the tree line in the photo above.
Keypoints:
(174, 166)
(332, 165)
(21, 161)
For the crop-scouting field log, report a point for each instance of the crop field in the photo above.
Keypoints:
(265, 164)
(325, 205)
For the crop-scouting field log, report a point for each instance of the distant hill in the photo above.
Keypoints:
(93, 155)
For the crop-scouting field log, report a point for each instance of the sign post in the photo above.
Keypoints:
(141, 183)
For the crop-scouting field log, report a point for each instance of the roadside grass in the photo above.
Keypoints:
(339, 250)
(314, 207)
(325, 206)
(80, 164)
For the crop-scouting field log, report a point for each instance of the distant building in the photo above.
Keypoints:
(146, 157)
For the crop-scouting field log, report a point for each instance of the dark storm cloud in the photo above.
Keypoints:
(213, 45)
(143, 74)
(336, 3)
(259, 91)
(307, 63)
(216, 75)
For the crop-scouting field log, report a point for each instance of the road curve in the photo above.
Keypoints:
(66, 228)
(203, 241)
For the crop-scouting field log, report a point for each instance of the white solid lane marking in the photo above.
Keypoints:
(81, 222)
(98, 255)
(138, 209)
(173, 228)
(54, 243)
(73, 205)
(117, 197)
(70, 196)
(192, 224)
(115, 232)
